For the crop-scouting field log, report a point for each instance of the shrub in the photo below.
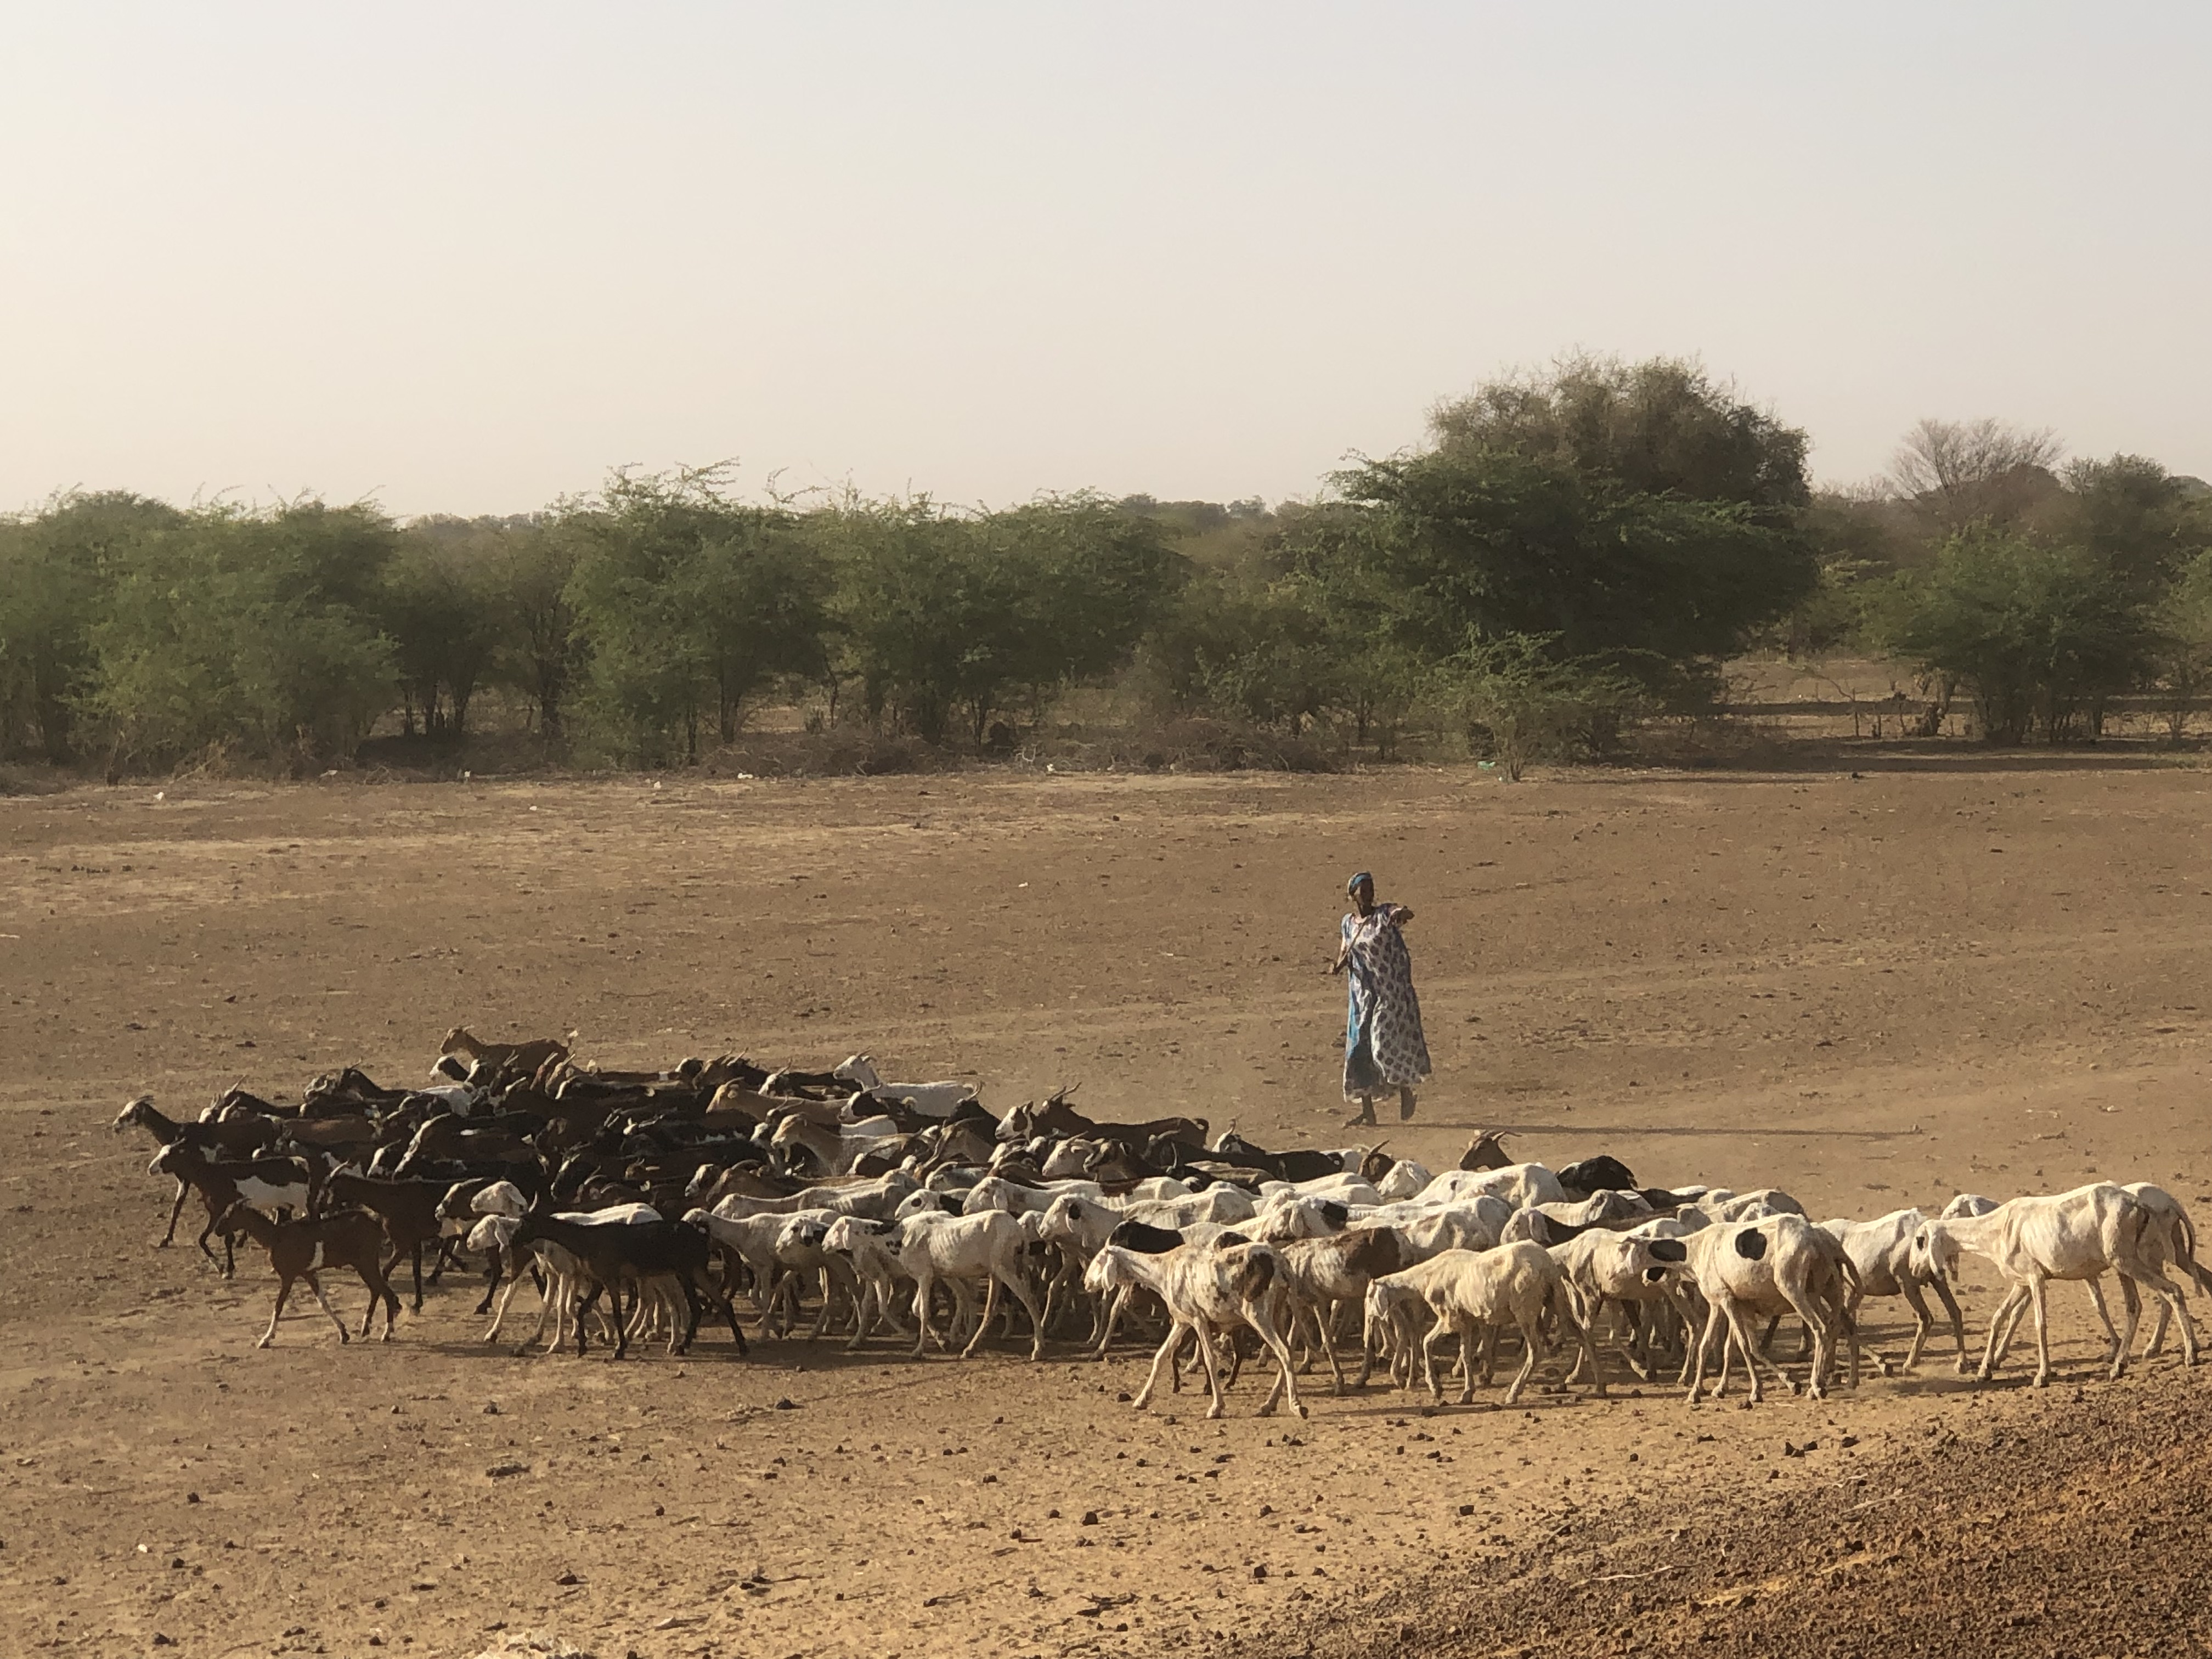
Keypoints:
(1516, 697)
(2039, 634)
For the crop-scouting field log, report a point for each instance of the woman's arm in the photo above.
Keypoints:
(1402, 913)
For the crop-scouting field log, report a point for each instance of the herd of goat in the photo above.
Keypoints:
(671, 1193)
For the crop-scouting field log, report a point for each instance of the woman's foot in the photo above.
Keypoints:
(1404, 1104)
(1366, 1114)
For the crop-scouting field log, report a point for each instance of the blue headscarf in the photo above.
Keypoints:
(1352, 886)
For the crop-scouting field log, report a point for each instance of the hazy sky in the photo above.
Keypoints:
(466, 256)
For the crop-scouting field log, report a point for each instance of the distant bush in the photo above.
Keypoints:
(1520, 702)
(2038, 633)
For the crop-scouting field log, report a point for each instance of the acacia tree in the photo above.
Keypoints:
(2036, 631)
(55, 567)
(541, 652)
(1497, 544)
(2143, 522)
(947, 616)
(442, 612)
(244, 627)
(1518, 698)
(2182, 641)
(1663, 427)
(692, 601)
(1642, 515)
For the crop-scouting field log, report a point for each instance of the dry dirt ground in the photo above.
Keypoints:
(1871, 990)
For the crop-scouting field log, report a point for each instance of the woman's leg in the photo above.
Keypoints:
(1404, 1103)
(1366, 1111)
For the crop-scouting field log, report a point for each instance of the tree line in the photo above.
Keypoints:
(1567, 552)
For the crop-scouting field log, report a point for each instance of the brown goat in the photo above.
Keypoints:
(496, 1062)
(1321, 1272)
(301, 1249)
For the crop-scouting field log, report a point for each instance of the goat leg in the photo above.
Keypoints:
(183, 1191)
(2132, 1299)
(2001, 1324)
(491, 1288)
(1958, 1319)
(1531, 1342)
(1217, 1408)
(268, 1336)
(990, 1306)
(1152, 1381)
(315, 1284)
(925, 1290)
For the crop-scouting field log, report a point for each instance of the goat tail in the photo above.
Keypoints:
(1561, 1297)
(2187, 1253)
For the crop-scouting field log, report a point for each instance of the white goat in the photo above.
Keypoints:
(2082, 1234)
(939, 1099)
(1881, 1250)
(802, 1253)
(988, 1247)
(1780, 1265)
(1518, 1184)
(1622, 1270)
(2176, 1233)
(1404, 1180)
(1337, 1188)
(871, 1248)
(1478, 1291)
(1207, 1291)
(749, 1241)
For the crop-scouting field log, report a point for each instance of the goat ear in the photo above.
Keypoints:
(1751, 1244)
(1668, 1250)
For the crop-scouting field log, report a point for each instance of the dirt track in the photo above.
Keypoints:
(1871, 991)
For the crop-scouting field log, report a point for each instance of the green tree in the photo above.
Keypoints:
(55, 567)
(246, 628)
(541, 653)
(2142, 520)
(692, 601)
(1244, 647)
(950, 617)
(440, 609)
(2182, 641)
(1639, 514)
(1663, 427)
(2037, 632)
(1498, 543)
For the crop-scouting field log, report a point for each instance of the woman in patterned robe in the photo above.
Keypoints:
(1383, 1047)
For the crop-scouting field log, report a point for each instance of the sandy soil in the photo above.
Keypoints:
(1871, 990)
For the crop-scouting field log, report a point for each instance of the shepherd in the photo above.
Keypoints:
(1383, 1047)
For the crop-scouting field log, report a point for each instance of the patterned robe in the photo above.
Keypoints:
(1383, 1047)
